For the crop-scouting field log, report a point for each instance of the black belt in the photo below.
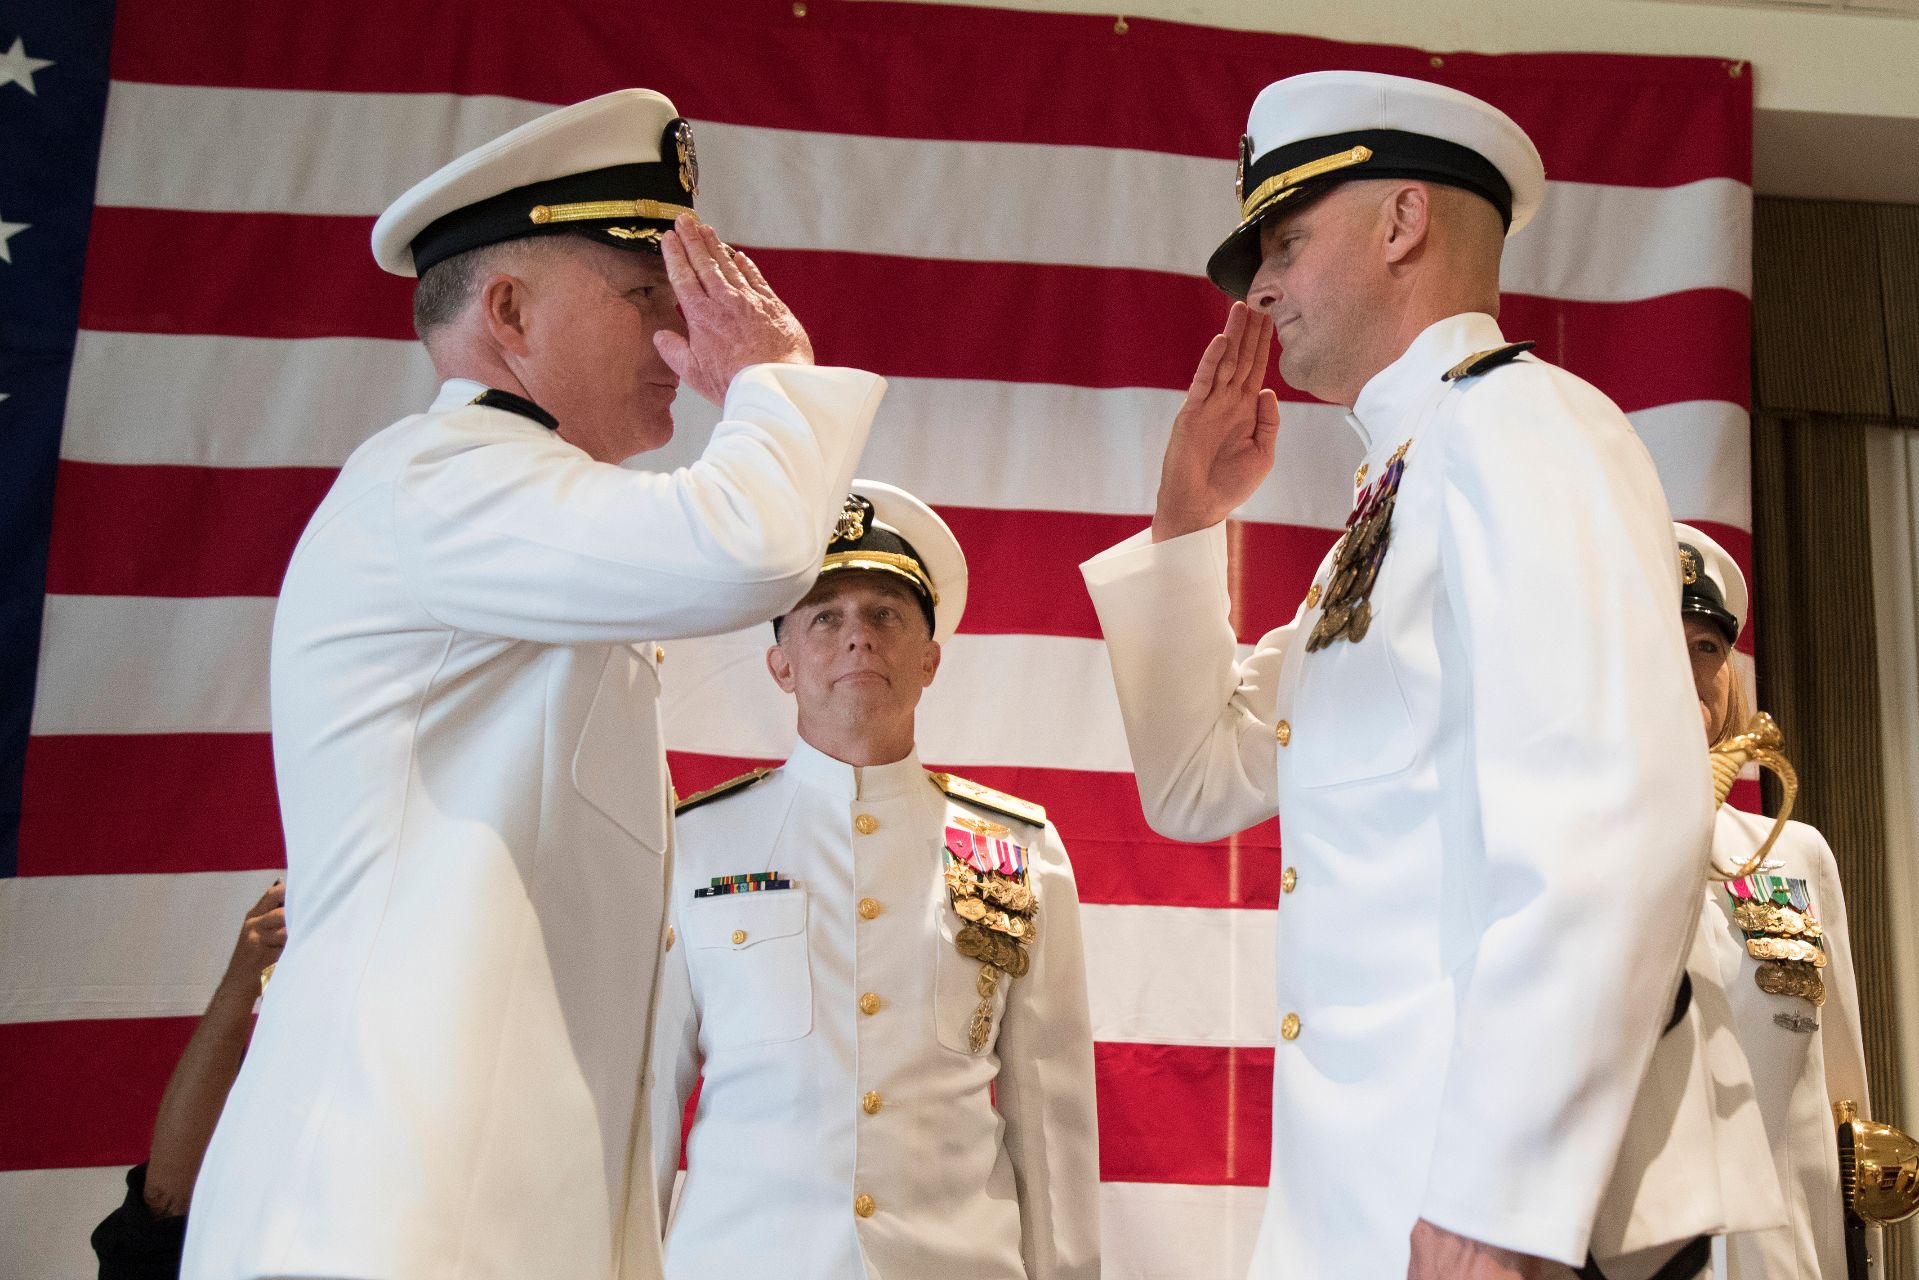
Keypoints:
(1684, 1265)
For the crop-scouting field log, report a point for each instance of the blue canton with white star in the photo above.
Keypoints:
(53, 97)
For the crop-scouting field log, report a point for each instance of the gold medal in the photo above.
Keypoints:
(970, 942)
(1362, 619)
(1784, 978)
(1786, 949)
(969, 908)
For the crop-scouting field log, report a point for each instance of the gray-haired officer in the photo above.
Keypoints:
(878, 970)
(1475, 730)
(446, 1075)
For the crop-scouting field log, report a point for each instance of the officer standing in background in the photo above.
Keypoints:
(1782, 944)
(445, 1079)
(878, 970)
(1476, 730)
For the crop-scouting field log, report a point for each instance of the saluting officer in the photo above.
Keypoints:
(1475, 730)
(1782, 942)
(446, 1076)
(878, 971)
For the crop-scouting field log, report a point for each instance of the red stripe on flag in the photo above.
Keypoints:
(1117, 858)
(1184, 1113)
(84, 1093)
(178, 531)
(206, 802)
(113, 804)
(1071, 79)
(286, 276)
(187, 532)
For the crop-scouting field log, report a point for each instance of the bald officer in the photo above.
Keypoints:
(446, 1075)
(879, 969)
(1475, 730)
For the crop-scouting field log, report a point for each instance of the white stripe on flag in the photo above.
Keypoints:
(286, 151)
(170, 939)
(1156, 975)
(265, 402)
(1162, 1231)
(1180, 975)
(47, 1215)
(1044, 701)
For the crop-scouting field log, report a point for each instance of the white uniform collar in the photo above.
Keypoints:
(455, 392)
(1391, 396)
(814, 768)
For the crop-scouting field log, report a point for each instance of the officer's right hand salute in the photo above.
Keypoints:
(733, 317)
(1222, 442)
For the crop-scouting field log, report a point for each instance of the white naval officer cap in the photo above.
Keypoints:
(1309, 132)
(884, 529)
(617, 169)
(1710, 583)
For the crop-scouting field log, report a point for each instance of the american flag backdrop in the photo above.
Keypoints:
(1007, 214)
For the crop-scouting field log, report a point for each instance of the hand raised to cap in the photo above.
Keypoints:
(733, 317)
(1222, 442)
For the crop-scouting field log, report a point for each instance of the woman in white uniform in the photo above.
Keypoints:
(1784, 957)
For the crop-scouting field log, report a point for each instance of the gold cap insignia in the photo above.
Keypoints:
(1688, 566)
(852, 525)
(689, 159)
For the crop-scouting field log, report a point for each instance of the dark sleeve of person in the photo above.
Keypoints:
(134, 1245)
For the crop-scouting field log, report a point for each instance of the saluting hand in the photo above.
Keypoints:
(1222, 442)
(733, 317)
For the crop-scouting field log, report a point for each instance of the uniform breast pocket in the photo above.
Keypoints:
(1350, 718)
(956, 990)
(750, 968)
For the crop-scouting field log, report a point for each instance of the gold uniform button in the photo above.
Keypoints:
(669, 937)
(866, 824)
(870, 1102)
(869, 1004)
(1284, 732)
(739, 936)
(1312, 596)
(659, 655)
(869, 908)
(1289, 1027)
(1288, 879)
(864, 1206)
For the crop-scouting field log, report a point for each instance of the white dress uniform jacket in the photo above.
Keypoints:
(832, 1020)
(1803, 1058)
(445, 1077)
(1496, 806)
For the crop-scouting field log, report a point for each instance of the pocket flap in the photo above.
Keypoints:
(741, 921)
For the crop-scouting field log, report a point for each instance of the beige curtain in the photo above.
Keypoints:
(1836, 389)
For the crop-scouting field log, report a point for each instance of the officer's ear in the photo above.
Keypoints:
(503, 310)
(1409, 215)
(779, 668)
(929, 663)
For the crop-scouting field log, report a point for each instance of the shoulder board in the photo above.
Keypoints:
(723, 790)
(1484, 361)
(987, 798)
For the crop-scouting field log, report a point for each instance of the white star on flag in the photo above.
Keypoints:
(8, 230)
(17, 68)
